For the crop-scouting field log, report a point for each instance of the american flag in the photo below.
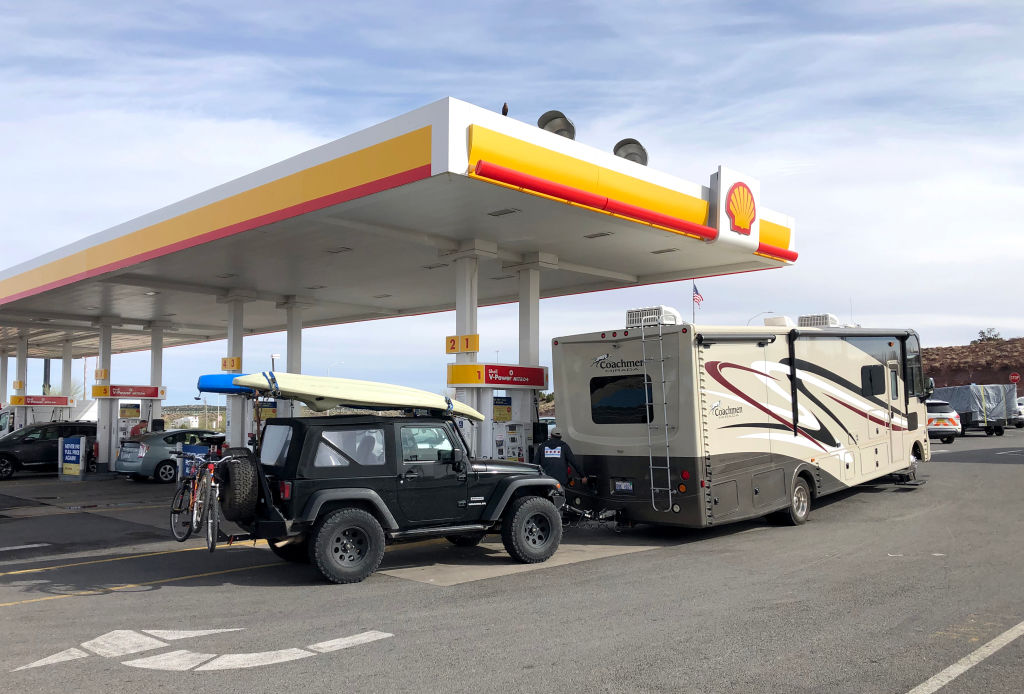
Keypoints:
(697, 298)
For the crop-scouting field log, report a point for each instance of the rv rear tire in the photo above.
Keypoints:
(799, 505)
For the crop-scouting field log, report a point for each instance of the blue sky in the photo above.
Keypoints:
(890, 130)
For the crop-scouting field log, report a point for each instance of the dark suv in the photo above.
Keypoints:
(336, 490)
(35, 447)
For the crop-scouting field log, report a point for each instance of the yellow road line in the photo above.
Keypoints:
(101, 591)
(130, 556)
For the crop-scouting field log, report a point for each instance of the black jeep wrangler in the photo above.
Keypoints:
(335, 490)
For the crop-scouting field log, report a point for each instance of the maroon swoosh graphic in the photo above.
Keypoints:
(714, 368)
(876, 420)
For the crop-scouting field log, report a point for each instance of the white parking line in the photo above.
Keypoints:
(349, 641)
(11, 549)
(234, 661)
(967, 662)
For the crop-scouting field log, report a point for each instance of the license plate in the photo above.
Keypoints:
(623, 486)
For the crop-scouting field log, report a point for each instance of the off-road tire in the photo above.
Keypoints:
(531, 529)
(799, 505)
(296, 551)
(468, 540)
(347, 545)
(238, 487)
(166, 472)
(6, 468)
(948, 439)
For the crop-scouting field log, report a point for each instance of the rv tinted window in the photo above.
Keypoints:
(621, 400)
(915, 374)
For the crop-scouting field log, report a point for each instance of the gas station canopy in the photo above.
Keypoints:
(369, 227)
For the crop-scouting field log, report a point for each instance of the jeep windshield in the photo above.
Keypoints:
(274, 447)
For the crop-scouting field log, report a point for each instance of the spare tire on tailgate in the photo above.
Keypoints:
(239, 486)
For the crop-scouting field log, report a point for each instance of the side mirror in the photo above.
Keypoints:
(930, 388)
(455, 457)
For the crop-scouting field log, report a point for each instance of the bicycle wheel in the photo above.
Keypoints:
(212, 520)
(181, 512)
(199, 508)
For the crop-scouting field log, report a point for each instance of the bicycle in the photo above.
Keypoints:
(195, 502)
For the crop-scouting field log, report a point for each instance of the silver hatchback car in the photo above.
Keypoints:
(149, 455)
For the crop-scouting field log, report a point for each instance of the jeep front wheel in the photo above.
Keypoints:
(531, 529)
(348, 545)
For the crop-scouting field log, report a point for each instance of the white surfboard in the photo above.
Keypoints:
(322, 393)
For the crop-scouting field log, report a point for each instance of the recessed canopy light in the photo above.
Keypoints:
(92, 308)
(317, 286)
(664, 250)
(42, 320)
(597, 235)
(226, 275)
(339, 249)
(381, 296)
(151, 293)
(435, 266)
(502, 212)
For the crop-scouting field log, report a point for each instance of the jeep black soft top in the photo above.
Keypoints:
(335, 490)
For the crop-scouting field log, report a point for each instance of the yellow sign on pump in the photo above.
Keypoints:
(102, 374)
(18, 385)
(101, 391)
(454, 344)
(231, 364)
(17, 399)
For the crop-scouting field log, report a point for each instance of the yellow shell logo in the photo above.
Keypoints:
(739, 205)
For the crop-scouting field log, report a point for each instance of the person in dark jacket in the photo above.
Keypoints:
(557, 460)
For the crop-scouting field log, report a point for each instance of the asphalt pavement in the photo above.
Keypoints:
(885, 589)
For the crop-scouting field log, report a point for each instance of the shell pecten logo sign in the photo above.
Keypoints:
(740, 208)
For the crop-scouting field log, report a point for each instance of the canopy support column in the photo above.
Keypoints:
(3, 377)
(66, 355)
(236, 424)
(466, 304)
(106, 428)
(293, 350)
(153, 409)
(21, 377)
(523, 401)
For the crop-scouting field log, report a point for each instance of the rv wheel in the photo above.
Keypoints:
(799, 505)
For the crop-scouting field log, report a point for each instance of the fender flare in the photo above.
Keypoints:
(813, 471)
(318, 499)
(496, 506)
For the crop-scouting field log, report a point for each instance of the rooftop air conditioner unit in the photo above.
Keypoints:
(654, 315)
(818, 320)
(779, 322)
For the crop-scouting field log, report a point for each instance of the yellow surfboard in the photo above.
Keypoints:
(322, 393)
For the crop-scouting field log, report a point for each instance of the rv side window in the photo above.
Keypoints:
(621, 399)
(872, 380)
(915, 373)
(894, 384)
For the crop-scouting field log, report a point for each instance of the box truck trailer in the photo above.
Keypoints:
(693, 426)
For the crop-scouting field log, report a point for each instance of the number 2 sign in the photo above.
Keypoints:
(454, 344)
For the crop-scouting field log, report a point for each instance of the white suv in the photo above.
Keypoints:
(943, 421)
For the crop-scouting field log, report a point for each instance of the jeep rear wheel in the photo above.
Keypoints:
(470, 540)
(531, 529)
(348, 545)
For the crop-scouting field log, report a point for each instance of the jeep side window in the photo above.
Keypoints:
(340, 447)
(274, 448)
(423, 443)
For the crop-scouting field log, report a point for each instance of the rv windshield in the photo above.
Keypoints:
(915, 373)
(621, 399)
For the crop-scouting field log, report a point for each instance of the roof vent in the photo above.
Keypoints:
(654, 315)
(818, 320)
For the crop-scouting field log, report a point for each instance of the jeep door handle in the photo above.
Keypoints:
(410, 475)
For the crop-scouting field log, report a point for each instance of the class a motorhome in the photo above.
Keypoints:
(693, 426)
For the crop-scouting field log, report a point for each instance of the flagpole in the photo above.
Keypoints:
(693, 304)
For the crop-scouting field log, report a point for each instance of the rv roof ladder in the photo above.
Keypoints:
(661, 472)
